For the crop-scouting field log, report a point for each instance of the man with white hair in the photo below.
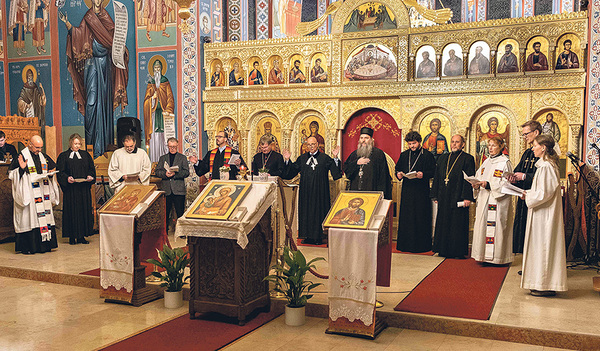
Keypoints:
(34, 192)
(129, 165)
(366, 167)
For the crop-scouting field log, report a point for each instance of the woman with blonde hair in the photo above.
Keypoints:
(492, 234)
(544, 257)
(76, 176)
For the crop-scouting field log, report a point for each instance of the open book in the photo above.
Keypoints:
(172, 168)
(510, 189)
(234, 157)
(411, 175)
(473, 180)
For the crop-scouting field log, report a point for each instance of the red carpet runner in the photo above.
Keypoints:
(149, 269)
(457, 288)
(184, 334)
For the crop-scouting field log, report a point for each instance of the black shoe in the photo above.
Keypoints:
(72, 242)
(308, 241)
(27, 252)
(520, 272)
(83, 241)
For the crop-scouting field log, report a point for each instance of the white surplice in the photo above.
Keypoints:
(123, 163)
(492, 234)
(544, 257)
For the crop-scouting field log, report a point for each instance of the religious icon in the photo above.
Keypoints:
(452, 58)
(435, 127)
(269, 126)
(18, 24)
(352, 209)
(318, 73)
(229, 126)
(554, 124)
(205, 23)
(38, 21)
(155, 15)
(159, 103)
(276, 72)
(425, 66)
(127, 199)
(496, 125)
(297, 70)
(507, 60)
(310, 128)
(217, 78)
(537, 60)
(255, 76)
(479, 58)
(236, 75)
(371, 62)
(566, 57)
(370, 16)
(32, 99)
(218, 200)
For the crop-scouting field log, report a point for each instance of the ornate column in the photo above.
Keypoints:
(438, 67)
(465, 63)
(244, 147)
(551, 57)
(411, 67)
(286, 135)
(522, 60)
(493, 62)
(575, 140)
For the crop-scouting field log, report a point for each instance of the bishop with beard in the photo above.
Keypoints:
(366, 167)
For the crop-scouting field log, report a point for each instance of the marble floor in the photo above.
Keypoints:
(37, 315)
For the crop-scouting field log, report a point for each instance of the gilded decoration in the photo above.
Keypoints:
(349, 107)
(341, 16)
(569, 102)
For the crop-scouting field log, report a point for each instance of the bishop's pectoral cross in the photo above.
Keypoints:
(446, 181)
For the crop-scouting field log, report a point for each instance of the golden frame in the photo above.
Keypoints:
(127, 199)
(339, 217)
(202, 208)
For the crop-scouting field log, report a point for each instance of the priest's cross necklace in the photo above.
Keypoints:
(447, 179)
(410, 168)
(265, 160)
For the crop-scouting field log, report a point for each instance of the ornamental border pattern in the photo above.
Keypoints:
(189, 87)
(592, 118)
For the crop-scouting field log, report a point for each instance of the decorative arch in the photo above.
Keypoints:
(299, 124)
(423, 124)
(397, 8)
(256, 128)
(387, 134)
(514, 142)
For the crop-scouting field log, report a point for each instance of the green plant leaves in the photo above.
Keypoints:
(173, 261)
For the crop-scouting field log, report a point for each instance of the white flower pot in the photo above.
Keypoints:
(224, 175)
(263, 177)
(295, 316)
(173, 299)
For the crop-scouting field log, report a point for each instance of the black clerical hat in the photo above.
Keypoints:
(367, 130)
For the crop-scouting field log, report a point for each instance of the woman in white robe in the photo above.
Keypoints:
(492, 234)
(544, 257)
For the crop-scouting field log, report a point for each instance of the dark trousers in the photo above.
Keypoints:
(175, 200)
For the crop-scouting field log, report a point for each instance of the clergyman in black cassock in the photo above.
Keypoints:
(451, 238)
(523, 178)
(78, 217)
(6, 148)
(216, 158)
(313, 200)
(367, 168)
(267, 158)
(415, 218)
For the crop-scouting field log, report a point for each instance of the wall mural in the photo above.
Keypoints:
(371, 62)
(310, 127)
(285, 16)
(156, 22)
(28, 29)
(436, 132)
(268, 126)
(489, 125)
(370, 16)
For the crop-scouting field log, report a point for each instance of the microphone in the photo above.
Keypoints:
(593, 145)
(572, 156)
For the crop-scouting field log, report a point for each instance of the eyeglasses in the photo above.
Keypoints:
(524, 135)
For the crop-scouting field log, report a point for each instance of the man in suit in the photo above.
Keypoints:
(173, 181)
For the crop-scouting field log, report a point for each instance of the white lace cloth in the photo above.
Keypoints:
(116, 251)
(260, 197)
(352, 274)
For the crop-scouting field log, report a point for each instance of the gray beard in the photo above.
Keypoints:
(364, 150)
(157, 79)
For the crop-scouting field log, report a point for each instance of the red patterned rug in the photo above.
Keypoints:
(457, 288)
(209, 332)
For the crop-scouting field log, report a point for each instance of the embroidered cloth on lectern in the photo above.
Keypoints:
(352, 274)
(116, 251)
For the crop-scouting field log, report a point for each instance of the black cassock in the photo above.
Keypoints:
(273, 161)
(527, 166)
(375, 174)
(313, 199)
(414, 221)
(451, 237)
(204, 165)
(78, 217)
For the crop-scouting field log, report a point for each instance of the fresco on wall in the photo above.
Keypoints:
(205, 24)
(508, 56)
(452, 62)
(156, 22)
(436, 131)
(371, 62)
(276, 70)
(285, 17)
(537, 58)
(297, 70)
(255, 69)
(318, 72)
(30, 83)
(370, 16)
(568, 50)
(28, 30)
(311, 126)
(425, 59)
(554, 123)
(479, 58)
(97, 95)
(218, 76)
(489, 125)
(158, 99)
(229, 126)
(2, 91)
(268, 126)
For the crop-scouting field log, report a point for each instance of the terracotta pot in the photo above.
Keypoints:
(295, 316)
(173, 299)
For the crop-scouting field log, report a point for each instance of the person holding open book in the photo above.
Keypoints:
(415, 167)
(544, 256)
(129, 165)
(492, 234)
(173, 168)
(76, 175)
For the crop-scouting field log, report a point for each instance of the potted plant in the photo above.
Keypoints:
(173, 261)
(289, 280)
(263, 174)
(224, 172)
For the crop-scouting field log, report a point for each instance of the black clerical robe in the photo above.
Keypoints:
(414, 221)
(313, 200)
(203, 166)
(375, 175)
(8, 149)
(451, 237)
(273, 161)
(527, 166)
(78, 217)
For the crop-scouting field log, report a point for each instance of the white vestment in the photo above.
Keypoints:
(544, 257)
(492, 234)
(25, 215)
(124, 163)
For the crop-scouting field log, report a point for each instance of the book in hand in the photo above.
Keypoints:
(411, 175)
(133, 175)
(510, 189)
(80, 180)
(472, 180)
(173, 169)
(234, 157)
